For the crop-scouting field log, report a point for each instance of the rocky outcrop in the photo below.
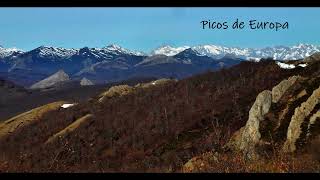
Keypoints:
(116, 91)
(86, 82)
(251, 135)
(52, 80)
(248, 137)
(300, 113)
(312, 121)
(282, 87)
(122, 90)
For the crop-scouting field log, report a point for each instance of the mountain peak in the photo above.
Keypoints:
(86, 82)
(114, 46)
(61, 71)
(119, 49)
(7, 52)
(169, 50)
(58, 77)
(189, 51)
(53, 52)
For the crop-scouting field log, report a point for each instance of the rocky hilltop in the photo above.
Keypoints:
(283, 121)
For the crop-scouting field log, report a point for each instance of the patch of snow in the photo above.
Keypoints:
(302, 65)
(67, 105)
(285, 66)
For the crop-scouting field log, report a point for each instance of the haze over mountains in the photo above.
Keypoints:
(114, 63)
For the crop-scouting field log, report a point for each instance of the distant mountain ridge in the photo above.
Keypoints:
(113, 63)
(298, 51)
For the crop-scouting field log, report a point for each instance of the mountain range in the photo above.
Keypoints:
(296, 52)
(114, 63)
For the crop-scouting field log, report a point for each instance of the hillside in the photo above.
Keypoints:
(16, 99)
(281, 133)
(161, 126)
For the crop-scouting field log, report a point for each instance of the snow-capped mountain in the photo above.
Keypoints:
(53, 53)
(168, 50)
(107, 52)
(117, 49)
(113, 63)
(214, 51)
(58, 53)
(218, 52)
(278, 52)
(7, 52)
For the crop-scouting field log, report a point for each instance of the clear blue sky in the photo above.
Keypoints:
(148, 28)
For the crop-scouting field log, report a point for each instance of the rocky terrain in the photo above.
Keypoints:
(252, 117)
(282, 125)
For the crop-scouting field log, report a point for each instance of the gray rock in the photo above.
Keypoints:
(300, 113)
(282, 87)
(50, 81)
(250, 136)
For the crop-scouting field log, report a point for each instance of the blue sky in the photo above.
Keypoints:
(148, 28)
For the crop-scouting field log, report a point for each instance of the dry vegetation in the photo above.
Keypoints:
(157, 129)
